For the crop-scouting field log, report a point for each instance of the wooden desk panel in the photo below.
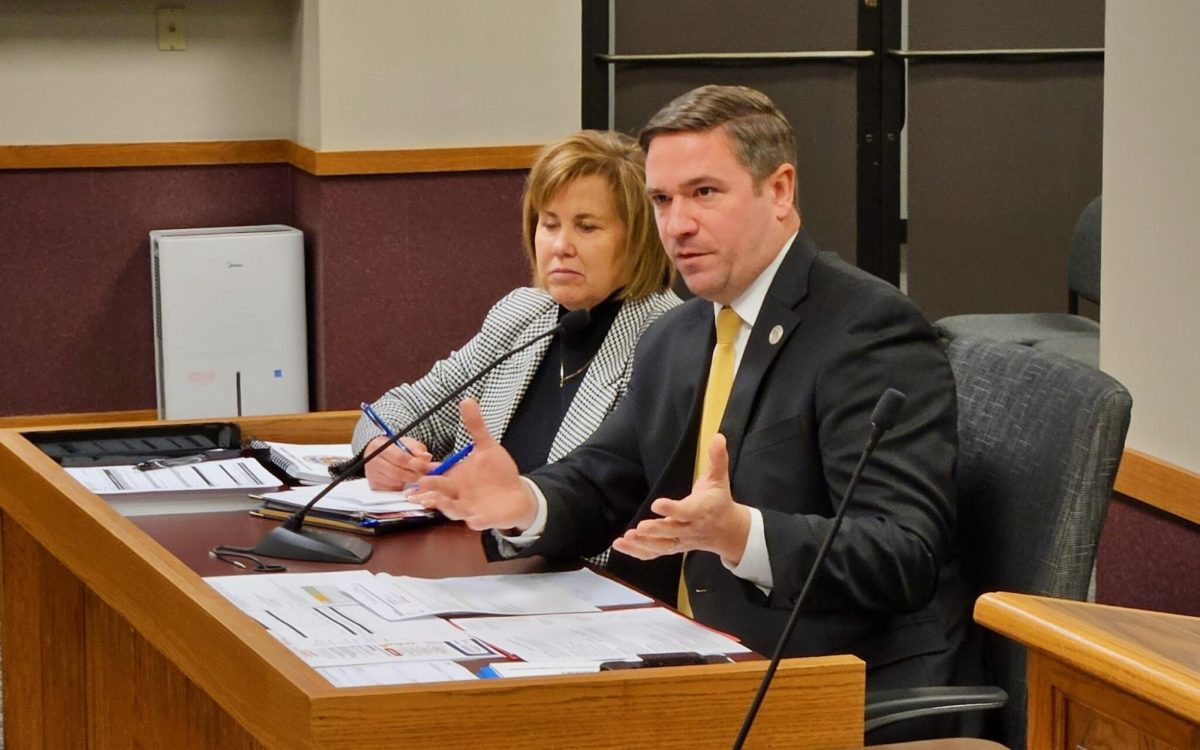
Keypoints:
(439, 551)
(1103, 677)
(112, 640)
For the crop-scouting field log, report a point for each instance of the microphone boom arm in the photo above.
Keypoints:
(882, 419)
(291, 541)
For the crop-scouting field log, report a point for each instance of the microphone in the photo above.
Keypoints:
(291, 541)
(883, 418)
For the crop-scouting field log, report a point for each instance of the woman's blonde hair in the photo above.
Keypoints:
(618, 160)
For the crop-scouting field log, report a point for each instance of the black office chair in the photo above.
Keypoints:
(1040, 439)
(1069, 334)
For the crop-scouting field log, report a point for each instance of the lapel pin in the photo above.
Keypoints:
(776, 335)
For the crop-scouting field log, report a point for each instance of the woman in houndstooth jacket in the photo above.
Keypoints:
(590, 237)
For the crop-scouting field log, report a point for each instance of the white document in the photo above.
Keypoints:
(280, 590)
(352, 625)
(354, 617)
(347, 625)
(461, 648)
(395, 598)
(399, 597)
(354, 495)
(403, 673)
(541, 668)
(599, 636)
(312, 614)
(590, 586)
(225, 474)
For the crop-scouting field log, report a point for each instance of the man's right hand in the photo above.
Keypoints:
(394, 469)
(485, 490)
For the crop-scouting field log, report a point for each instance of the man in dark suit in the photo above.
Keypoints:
(727, 525)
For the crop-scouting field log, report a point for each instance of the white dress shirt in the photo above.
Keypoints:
(755, 566)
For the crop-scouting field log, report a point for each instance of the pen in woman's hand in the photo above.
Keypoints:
(451, 460)
(374, 417)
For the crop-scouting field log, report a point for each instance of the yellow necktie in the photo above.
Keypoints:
(716, 396)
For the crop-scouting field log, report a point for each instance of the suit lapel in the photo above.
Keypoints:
(779, 316)
(690, 357)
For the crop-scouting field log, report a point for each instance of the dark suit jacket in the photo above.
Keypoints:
(797, 419)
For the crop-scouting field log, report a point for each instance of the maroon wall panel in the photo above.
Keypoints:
(76, 329)
(403, 269)
(1148, 559)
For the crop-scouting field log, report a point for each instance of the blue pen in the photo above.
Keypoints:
(378, 420)
(452, 459)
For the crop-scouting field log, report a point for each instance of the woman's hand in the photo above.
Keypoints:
(394, 469)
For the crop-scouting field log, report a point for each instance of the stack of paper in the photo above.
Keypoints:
(612, 635)
(197, 487)
(350, 506)
(309, 464)
(362, 629)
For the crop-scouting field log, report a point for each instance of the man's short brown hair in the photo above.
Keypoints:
(762, 137)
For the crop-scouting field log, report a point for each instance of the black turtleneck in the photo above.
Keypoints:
(533, 426)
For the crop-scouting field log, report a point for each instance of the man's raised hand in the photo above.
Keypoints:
(484, 490)
(706, 520)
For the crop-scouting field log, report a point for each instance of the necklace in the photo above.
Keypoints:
(564, 379)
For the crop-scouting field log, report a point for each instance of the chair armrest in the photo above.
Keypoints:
(889, 706)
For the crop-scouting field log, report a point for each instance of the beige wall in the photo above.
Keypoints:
(332, 74)
(1150, 315)
(91, 72)
(306, 61)
(421, 74)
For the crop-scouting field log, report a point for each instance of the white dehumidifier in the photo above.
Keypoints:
(230, 330)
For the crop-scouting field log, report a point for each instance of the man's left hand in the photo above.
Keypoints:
(708, 519)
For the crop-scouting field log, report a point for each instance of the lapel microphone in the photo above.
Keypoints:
(883, 418)
(291, 541)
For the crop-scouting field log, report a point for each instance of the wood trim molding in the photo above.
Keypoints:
(184, 153)
(1160, 484)
(320, 163)
(407, 161)
(301, 157)
(23, 421)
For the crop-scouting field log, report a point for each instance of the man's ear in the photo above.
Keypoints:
(782, 186)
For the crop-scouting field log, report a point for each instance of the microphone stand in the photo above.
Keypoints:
(291, 541)
(883, 418)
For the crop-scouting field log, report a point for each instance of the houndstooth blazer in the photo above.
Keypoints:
(520, 316)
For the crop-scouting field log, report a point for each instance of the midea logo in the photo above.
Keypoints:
(231, 264)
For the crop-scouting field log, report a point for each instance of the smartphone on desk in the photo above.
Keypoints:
(673, 659)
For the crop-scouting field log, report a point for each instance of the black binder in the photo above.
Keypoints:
(109, 446)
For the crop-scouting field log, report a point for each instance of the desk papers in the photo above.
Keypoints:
(315, 616)
(223, 484)
(546, 593)
(359, 628)
(540, 668)
(599, 636)
(394, 598)
(363, 675)
(353, 496)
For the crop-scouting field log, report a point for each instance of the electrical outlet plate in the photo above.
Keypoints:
(170, 29)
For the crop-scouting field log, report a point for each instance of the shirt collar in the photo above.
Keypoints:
(748, 304)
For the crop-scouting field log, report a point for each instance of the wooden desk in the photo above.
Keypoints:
(110, 639)
(1103, 677)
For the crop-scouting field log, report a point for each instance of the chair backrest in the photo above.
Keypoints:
(1040, 440)
(1083, 261)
